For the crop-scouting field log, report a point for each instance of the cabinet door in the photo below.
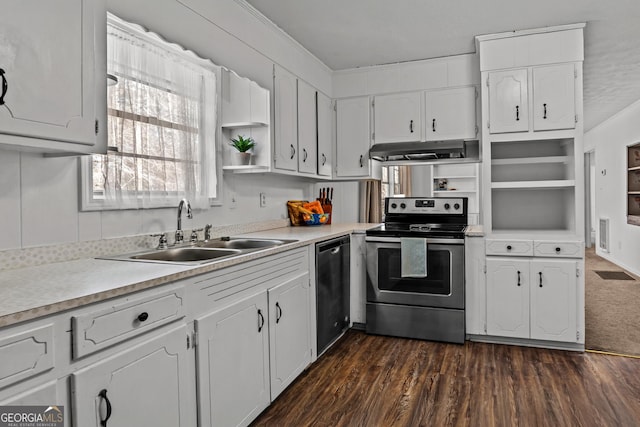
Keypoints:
(286, 120)
(553, 300)
(508, 101)
(236, 98)
(307, 129)
(289, 333)
(352, 137)
(325, 156)
(397, 117)
(450, 114)
(508, 297)
(233, 363)
(50, 70)
(145, 385)
(554, 97)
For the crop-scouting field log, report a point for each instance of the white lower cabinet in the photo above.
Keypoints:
(532, 299)
(145, 385)
(233, 363)
(290, 340)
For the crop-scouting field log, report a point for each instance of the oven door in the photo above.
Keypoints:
(442, 287)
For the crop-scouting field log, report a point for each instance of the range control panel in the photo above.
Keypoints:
(421, 206)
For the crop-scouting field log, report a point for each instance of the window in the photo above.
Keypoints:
(161, 125)
(396, 182)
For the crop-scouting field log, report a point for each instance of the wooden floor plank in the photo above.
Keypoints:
(368, 380)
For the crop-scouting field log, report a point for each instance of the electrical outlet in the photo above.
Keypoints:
(263, 200)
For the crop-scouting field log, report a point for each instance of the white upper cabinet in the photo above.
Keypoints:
(286, 120)
(307, 129)
(236, 99)
(352, 137)
(397, 117)
(554, 97)
(325, 150)
(53, 83)
(450, 114)
(508, 101)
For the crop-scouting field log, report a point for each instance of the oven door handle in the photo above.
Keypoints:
(378, 239)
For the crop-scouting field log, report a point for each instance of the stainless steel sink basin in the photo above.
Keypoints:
(203, 252)
(241, 243)
(186, 254)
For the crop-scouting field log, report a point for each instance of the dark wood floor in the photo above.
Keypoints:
(366, 380)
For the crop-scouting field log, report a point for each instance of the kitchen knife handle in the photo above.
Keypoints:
(103, 395)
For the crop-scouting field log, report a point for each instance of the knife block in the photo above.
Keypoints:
(327, 209)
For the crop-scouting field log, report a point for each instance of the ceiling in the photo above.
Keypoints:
(354, 33)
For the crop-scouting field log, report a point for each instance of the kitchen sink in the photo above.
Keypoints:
(203, 252)
(241, 243)
(186, 254)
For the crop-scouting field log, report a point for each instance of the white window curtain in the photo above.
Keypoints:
(161, 124)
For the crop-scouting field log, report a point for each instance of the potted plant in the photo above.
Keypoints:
(243, 145)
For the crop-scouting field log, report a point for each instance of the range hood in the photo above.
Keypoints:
(416, 152)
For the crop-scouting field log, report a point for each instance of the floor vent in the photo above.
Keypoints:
(614, 275)
(604, 234)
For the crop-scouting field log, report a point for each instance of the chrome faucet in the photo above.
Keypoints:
(179, 233)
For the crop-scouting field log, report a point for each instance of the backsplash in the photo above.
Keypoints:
(30, 257)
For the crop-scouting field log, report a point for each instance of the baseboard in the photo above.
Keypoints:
(489, 339)
(359, 326)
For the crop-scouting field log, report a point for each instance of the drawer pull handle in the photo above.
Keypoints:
(540, 273)
(5, 86)
(278, 312)
(103, 395)
(143, 316)
(508, 247)
(558, 249)
(517, 113)
(518, 278)
(260, 320)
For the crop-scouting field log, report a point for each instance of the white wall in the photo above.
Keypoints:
(39, 196)
(610, 140)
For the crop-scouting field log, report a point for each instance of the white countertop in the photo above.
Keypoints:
(33, 292)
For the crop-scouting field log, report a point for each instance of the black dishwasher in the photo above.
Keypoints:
(332, 289)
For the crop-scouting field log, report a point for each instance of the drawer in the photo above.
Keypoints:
(558, 249)
(509, 247)
(124, 318)
(26, 354)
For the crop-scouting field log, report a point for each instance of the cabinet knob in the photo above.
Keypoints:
(5, 86)
(142, 317)
(517, 113)
(558, 249)
(509, 247)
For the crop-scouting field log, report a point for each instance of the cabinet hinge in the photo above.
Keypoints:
(575, 73)
(577, 272)
(576, 118)
(487, 81)
(477, 130)
(484, 269)
(335, 106)
(97, 126)
(475, 89)
(373, 136)
(192, 340)
(373, 102)
(577, 335)
(488, 125)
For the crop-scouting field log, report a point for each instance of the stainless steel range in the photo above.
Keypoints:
(415, 269)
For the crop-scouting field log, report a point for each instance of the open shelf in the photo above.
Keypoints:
(243, 125)
(246, 168)
(633, 184)
(530, 160)
(563, 183)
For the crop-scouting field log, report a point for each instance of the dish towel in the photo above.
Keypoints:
(413, 254)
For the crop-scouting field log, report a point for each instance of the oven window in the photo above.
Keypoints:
(438, 280)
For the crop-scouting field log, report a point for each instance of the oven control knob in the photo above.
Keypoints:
(447, 206)
(403, 205)
(456, 206)
(393, 205)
